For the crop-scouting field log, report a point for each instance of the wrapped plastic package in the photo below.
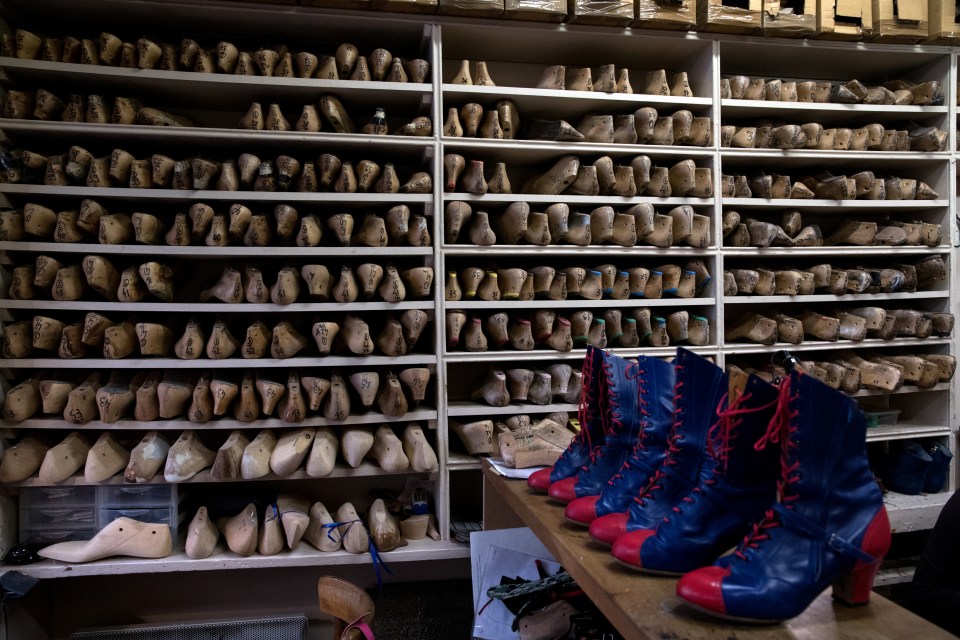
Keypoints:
(667, 14)
(472, 8)
(902, 21)
(607, 12)
(797, 21)
(713, 15)
(944, 27)
(538, 10)
(405, 6)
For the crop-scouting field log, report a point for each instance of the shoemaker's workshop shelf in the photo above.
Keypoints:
(228, 363)
(566, 251)
(547, 355)
(462, 408)
(838, 114)
(193, 307)
(839, 251)
(208, 252)
(523, 151)
(585, 201)
(906, 430)
(845, 207)
(850, 297)
(573, 304)
(914, 513)
(821, 345)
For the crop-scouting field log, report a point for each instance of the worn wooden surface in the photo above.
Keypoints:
(647, 607)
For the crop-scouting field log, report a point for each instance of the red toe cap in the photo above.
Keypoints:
(703, 588)
(563, 490)
(606, 529)
(540, 480)
(582, 510)
(626, 548)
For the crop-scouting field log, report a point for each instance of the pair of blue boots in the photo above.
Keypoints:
(675, 464)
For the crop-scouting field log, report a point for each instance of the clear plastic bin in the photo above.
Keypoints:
(44, 497)
(53, 536)
(53, 517)
(124, 496)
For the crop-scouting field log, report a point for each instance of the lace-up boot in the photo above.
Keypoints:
(828, 525)
(738, 481)
(700, 385)
(591, 434)
(655, 410)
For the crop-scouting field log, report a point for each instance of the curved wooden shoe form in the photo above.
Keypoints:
(122, 537)
(64, 459)
(294, 518)
(256, 343)
(287, 287)
(202, 535)
(352, 532)
(415, 381)
(255, 462)
(147, 400)
(336, 405)
(270, 541)
(22, 460)
(247, 406)
(323, 453)
(390, 398)
(147, 458)
(383, 527)
(174, 393)
(241, 531)
(388, 450)
(366, 384)
(101, 276)
(322, 537)
(270, 393)
(316, 390)
(224, 392)
(187, 457)
(355, 444)
(81, 405)
(477, 436)
(104, 459)
(24, 400)
(290, 451)
(287, 341)
(159, 280)
(226, 466)
(293, 406)
(201, 404)
(422, 457)
(228, 289)
(494, 390)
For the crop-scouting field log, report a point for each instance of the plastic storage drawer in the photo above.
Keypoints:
(55, 535)
(44, 497)
(138, 496)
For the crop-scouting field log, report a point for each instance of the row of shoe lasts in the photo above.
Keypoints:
(894, 92)
(247, 172)
(483, 437)
(748, 232)
(110, 50)
(152, 395)
(609, 80)
(201, 224)
(825, 278)
(767, 134)
(518, 224)
(123, 339)
(572, 176)
(854, 324)
(92, 109)
(864, 185)
(548, 329)
(62, 282)
(604, 281)
(558, 382)
(335, 114)
(850, 371)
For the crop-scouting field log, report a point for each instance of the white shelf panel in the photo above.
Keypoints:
(807, 111)
(214, 89)
(793, 252)
(797, 156)
(893, 575)
(833, 206)
(522, 151)
(594, 201)
(213, 252)
(734, 348)
(463, 462)
(864, 393)
(193, 136)
(230, 363)
(551, 101)
(213, 307)
(224, 423)
(905, 430)
(914, 513)
(515, 357)
(223, 559)
(192, 195)
(606, 303)
(463, 408)
(852, 297)
(555, 250)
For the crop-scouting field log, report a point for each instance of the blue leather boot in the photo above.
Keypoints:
(591, 434)
(649, 450)
(939, 468)
(908, 472)
(738, 481)
(625, 383)
(700, 386)
(829, 525)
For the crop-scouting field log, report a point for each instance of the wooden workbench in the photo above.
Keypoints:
(645, 607)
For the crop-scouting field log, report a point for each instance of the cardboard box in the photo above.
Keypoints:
(904, 22)
(617, 13)
(405, 6)
(782, 23)
(537, 10)
(712, 15)
(664, 14)
(944, 27)
(471, 8)
(844, 19)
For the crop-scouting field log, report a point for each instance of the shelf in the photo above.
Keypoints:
(812, 157)
(914, 513)
(222, 559)
(554, 250)
(181, 424)
(893, 575)
(830, 112)
(229, 363)
(794, 252)
(594, 201)
(832, 206)
(906, 430)
(734, 348)
(193, 251)
(223, 138)
(464, 408)
(529, 151)
(864, 393)
(518, 357)
(850, 297)
(577, 304)
(463, 462)
(214, 307)
(192, 195)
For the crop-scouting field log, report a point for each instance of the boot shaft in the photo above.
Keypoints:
(639, 395)
(592, 398)
(699, 389)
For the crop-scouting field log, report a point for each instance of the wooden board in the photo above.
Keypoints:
(646, 607)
